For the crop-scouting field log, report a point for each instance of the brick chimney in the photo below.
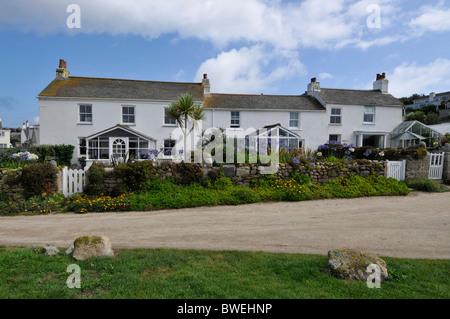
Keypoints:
(206, 85)
(62, 72)
(313, 86)
(381, 83)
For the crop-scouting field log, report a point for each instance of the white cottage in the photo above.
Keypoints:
(5, 136)
(105, 117)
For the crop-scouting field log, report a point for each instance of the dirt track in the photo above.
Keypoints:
(415, 226)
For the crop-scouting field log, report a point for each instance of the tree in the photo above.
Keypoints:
(187, 114)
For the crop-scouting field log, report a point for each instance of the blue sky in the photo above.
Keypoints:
(250, 46)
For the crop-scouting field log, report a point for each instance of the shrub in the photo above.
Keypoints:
(11, 205)
(214, 174)
(425, 185)
(95, 179)
(36, 177)
(135, 175)
(300, 178)
(222, 183)
(61, 153)
(188, 173)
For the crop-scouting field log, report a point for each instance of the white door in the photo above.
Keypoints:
(119, 148)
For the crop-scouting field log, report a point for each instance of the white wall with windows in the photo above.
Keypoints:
(5, 138)
(71, 120)
(360, 125)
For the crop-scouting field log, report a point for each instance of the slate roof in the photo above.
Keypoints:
(262, 102)
(86, 87)
(358, 97)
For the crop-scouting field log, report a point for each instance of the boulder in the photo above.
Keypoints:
(92, 246)
(50, 250)
(351, 264)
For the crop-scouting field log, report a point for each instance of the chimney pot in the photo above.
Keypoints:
(62, 64)
(313, 80)
(205, 76)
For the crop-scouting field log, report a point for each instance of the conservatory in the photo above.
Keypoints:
(119, 142)
(410, 133)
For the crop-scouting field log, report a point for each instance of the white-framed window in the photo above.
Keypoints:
(85, 113)
(128, 114)
(2, 134)
(168, 120)
(294, 120)
(99, 148)
(235, 119)
(82, 150)
(336, 116)
(334, 138)
(169, 144)
(369, 114)
(3, 146)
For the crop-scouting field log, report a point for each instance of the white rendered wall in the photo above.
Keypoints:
(5, 139)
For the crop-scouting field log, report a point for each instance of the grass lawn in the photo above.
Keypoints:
(191, 274)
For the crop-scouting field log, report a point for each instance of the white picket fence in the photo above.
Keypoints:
(396, 169)
(73, 181)
(436, 165)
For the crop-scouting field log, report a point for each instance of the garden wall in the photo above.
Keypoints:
(418, 168)
(6, 187)
(243, 174)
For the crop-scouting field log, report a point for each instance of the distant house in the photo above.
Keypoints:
(104, 117)
(432, 98)
(29, 135)
(5, 136)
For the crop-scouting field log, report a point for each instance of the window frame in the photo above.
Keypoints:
(336, 116)
(166, 117)
(80, 146)
(373, 114)
(235, 118)
(85, 113)
(296, 120)
(174, 142)
(133, 107)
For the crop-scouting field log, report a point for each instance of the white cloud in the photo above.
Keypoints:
(310, 23)
(410, 78)
(324, 76)
(433, 18)
(249, 70)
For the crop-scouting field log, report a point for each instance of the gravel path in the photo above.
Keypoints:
(413, 226)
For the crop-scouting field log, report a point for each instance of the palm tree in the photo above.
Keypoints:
(187, 114)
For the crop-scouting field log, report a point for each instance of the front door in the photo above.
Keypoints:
(119, 148)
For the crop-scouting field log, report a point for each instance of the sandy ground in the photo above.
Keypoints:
(414, 226)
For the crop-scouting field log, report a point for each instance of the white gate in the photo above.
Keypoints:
(73, 181)
(396, 169)
(436, 165)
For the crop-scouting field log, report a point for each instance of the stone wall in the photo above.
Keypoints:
(319, 172)
(7, 187)
(243, 174)
(418, 168)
